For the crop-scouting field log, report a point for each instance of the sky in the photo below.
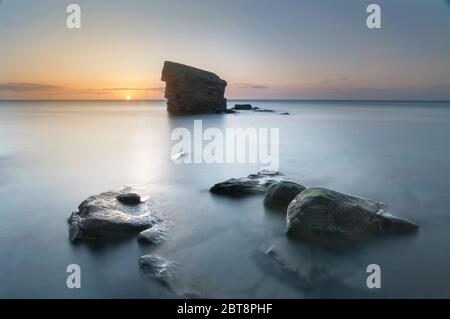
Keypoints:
(264, 49)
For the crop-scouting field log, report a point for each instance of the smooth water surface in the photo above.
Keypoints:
(55, 154)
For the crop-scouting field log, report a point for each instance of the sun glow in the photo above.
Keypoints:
(128, 98)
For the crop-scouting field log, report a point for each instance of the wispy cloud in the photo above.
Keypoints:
(250, 86)
(27, 87)
(152, 89)
(336, 80)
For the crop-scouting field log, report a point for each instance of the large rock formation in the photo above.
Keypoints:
(192, 91)
(318, 214)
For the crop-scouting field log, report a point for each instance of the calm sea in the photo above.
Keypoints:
(55, 154)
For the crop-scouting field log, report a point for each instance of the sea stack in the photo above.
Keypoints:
(193, 91)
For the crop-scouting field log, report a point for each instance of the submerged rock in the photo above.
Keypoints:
(154, 235)
(243, 107)
(192, 91)
(318, 213)
(103, 216)
(252, 184)
(129, 198)
(316, 272)
(159, 268)
(231, 111)
(264, 110)
(279, 195)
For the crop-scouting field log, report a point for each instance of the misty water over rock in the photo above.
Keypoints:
(159, 268)
(154, 235)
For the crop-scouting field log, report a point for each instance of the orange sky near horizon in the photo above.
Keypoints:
(263, 49)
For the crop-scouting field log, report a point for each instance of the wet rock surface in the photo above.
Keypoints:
(279, 195)
(249, 107)
(154, 235)
(193, 91)
(129, 198)
(319, 213)
(103, 216)
(159, 268)
(250, 185)
(243, 107)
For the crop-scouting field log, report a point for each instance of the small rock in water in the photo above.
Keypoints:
(252, 184)
(243, 107)
(159, 268)
(279, 195)
(103, 216)
(285, 113)
(129, 198)
(231, 111)
(318, 214)
(154, 235)
(264, 110)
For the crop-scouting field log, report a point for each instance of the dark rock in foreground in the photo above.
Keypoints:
(193, 91)
(252, 184)
(279, 195)
(318, 213)
(159, 268)
(129, 198)
(243, 107)
(103, 216)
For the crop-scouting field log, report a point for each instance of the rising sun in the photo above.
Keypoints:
(128, 97)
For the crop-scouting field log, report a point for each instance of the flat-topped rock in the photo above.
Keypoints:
(193, 91)
(319, 213)
(243, 107)
(105, 216)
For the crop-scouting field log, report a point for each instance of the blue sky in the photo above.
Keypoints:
(264, 49)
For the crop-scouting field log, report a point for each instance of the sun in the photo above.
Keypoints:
(128, 98)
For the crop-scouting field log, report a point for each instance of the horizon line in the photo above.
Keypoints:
(230, 99)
